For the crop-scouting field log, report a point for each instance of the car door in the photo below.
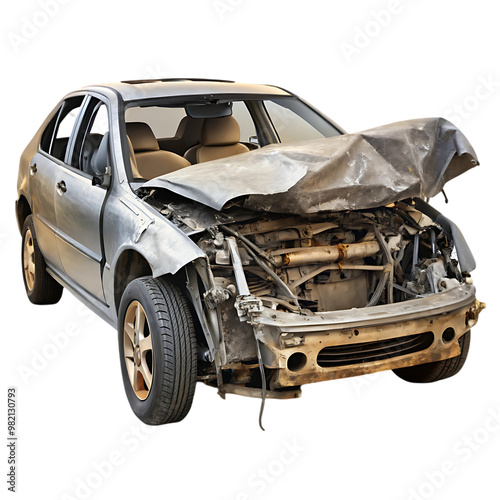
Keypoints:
(79, 200)
(44, 168)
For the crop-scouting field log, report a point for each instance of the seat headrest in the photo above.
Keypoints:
(142, 137)
(223, 131)
(189, 130)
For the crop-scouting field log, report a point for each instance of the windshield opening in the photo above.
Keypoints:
(165, 135)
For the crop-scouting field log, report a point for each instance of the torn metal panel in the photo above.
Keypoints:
(464, 253)
(216, 182)
(413, 158)
(145, 220)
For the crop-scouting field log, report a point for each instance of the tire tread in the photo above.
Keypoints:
(179, 351)
(437, 370)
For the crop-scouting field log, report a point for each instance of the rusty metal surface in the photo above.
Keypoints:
(311, 344)
(256, 393)
(442, 303)
(238, 336)
(302, 256)
(413, 158)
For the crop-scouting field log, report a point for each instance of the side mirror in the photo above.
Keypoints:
(103, 180)
(100, 164)
(100, 160)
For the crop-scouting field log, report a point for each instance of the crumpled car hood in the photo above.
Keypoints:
(413, 158)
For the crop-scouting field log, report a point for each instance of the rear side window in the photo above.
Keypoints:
(48, 133)
(56, 136)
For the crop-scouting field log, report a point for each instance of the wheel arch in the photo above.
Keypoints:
(130, 265)
(23, 209)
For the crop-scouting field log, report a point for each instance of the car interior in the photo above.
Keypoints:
(150, 159)
(196, 140)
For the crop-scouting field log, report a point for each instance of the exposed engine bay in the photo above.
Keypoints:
(316, 263)
(338, 261)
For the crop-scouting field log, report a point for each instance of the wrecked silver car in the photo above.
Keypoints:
(235, 235)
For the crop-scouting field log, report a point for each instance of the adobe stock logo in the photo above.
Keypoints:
(485, 88)
(223, 7)
(365, 34)
(33, 24)
(269, 473)
(58, 341)
(463, 450)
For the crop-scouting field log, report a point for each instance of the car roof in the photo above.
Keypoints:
(145, 89)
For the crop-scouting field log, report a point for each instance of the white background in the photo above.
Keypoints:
(371, 437)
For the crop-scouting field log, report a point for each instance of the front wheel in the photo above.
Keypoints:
(437, 370)
(157, 343)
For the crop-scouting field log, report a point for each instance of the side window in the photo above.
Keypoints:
(48, 133)
(244, 119)
(90, 151)
(64, 127)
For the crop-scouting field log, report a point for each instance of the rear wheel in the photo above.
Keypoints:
(157, 343)
(41, 288)
(437, 370)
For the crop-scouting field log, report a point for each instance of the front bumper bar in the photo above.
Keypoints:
(283, 335)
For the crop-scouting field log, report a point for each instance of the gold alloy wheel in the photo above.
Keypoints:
(29, 260)
(138, 349)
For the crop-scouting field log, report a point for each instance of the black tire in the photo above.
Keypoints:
(41, 287)
(173, 360)
(437, 370)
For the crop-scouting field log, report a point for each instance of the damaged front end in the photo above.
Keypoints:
(322, 259)
(317, 297)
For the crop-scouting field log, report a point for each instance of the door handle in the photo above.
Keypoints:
(61, 187)
(33, 169)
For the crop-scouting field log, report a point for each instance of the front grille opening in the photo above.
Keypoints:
(353, 354)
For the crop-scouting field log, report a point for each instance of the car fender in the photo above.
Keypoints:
(130, 224)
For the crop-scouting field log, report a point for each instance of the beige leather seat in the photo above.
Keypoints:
(219, 139)
(151, 161)
(188, 134)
